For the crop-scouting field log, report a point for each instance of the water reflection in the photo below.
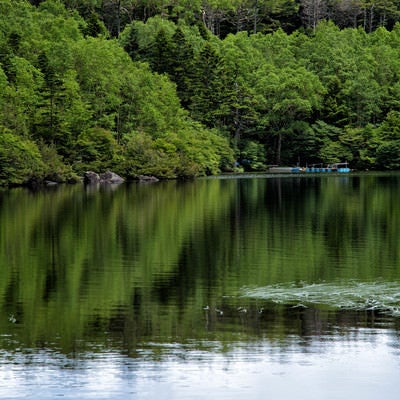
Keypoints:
(361, 364)
(234, 282)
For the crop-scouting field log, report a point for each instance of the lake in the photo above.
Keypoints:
(252, 286)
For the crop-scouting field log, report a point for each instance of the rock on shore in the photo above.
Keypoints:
(91, 177)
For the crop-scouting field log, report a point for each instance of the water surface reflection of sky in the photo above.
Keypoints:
(364, 366)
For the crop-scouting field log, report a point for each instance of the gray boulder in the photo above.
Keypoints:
(148, 178)
(91, 177)
(111, 177)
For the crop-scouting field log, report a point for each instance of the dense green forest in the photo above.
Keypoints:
(181, 89)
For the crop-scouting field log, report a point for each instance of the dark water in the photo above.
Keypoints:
(253, 287)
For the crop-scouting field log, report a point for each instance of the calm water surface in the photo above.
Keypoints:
(283, 287)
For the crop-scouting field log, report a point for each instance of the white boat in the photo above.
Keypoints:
(285, 170)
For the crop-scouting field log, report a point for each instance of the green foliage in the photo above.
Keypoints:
(141, 37)
(94, 26)
(96, 149)
(362, 143)
(144, 156)
(207, 87)
(388, 155)
(252, 156)
(232, 16)
(390, 127)
(334, 152)
(55, 169)
(205, 150)
(186, 154)
(328, 95)
(20, 159)
(21, 96)
(182, 55)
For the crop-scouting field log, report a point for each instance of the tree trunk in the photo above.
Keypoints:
(255, 17)
(278, 149)
(118, 18)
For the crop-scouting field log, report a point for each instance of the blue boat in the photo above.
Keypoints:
(313, 168)
(337, 167)
(340, 167)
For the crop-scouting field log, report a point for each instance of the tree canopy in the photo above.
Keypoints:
(187, 89)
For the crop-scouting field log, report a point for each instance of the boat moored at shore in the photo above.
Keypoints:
(284, 170)
(337, 167)
(312, 168)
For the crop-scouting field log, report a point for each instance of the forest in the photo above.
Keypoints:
(180, 89)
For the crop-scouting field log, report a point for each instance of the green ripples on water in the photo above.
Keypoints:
(359, 296)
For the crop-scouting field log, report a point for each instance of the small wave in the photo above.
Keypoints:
(360, 296)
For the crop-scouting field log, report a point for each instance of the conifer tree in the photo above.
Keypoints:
(158, 54)
(207, 87)
(181, 64)
(48, 124)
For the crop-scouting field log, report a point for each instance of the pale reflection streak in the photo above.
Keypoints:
(365, 362)
(330, 370)
(50, 375)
